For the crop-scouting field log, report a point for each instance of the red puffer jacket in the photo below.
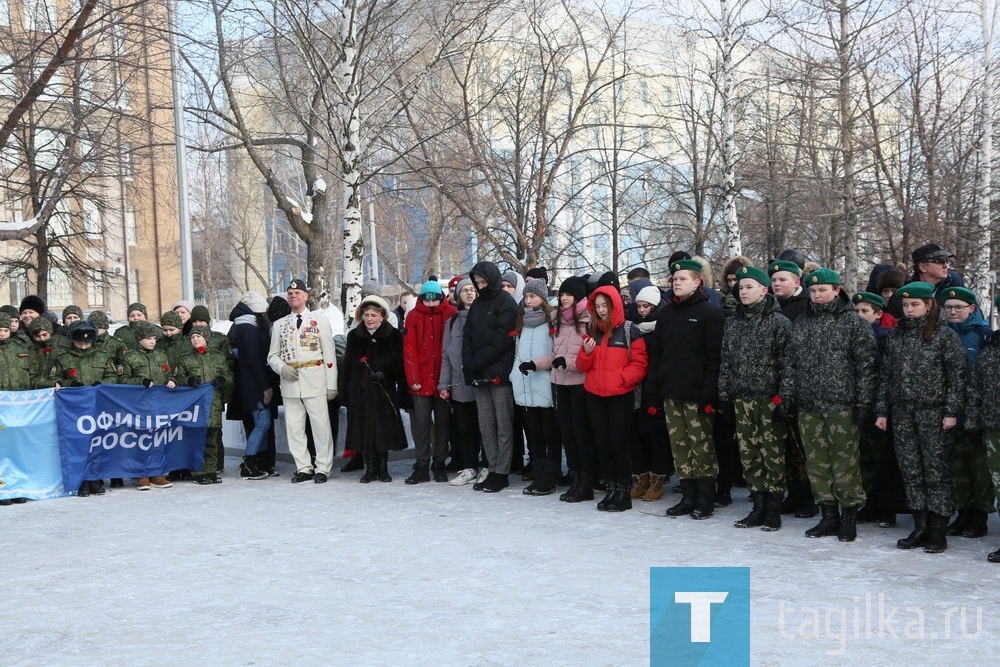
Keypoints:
(423, 338)
(613, 369)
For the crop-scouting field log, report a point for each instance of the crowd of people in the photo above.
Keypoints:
(854, 407)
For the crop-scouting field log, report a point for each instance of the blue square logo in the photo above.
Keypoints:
(699, 616)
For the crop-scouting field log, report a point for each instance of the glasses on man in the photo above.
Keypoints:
(942, 262)
(956, 309)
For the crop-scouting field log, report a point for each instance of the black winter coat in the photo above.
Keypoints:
(373, 421)
(795, 306)
(685, 349)
(252, 374)
(831, 359)
(982, 409)
(753, 351)
(487, 346)
(921, 374)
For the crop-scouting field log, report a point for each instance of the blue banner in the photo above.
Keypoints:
(130, 431)
(29, 450)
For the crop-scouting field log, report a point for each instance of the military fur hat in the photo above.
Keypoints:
(82, 331)
(33, 302)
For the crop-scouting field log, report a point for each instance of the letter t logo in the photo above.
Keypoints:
(701, 611)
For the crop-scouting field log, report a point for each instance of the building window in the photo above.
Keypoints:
(48, 149)
(18, 285)
(130, 236)
(92, 225)
(95, 289)
(60, 287)
(127, 172)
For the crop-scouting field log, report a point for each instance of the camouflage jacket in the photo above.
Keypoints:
(923, 374)
(88, 367)
(831, 359)
(113, 347)
(753, 351)
(142, 364)
(16, 363)
(208, 366)
(982, 408)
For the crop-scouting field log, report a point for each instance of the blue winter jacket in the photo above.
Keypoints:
(975, 333)
(533, 390)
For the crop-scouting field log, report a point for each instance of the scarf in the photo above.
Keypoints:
(533, 317)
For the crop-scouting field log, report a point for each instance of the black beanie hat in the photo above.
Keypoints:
(538, 272)
(574, 286)
(609, 278)
(278, 308)
(32, 302)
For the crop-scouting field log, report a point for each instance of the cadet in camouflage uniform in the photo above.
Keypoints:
(136, 312)
(969, 468)
(173, 342)
(207, 365)
(922, 391)
(15, 359)
(43, 352)
(753, 359)
(216, 341)
(982, 409)
(107, 343)
(832, 380)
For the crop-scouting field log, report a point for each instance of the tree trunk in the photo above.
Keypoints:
(354, 244)
(981, 283)
(734, 246)
(847, 150)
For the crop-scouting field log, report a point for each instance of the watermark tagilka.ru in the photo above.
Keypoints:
(875, 617)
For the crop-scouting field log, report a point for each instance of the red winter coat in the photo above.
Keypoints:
(613, 369)
(423, 338)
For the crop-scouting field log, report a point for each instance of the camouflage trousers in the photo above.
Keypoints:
(214, 452)
(691, 440)
(830, 440)
(992, 439)
(762, 446)
(970, 472)
(923, 448)
(795, 455)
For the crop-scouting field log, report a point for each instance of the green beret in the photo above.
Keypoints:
(917, 290)
(171, 318)
(72, 310)
(782, 265)
(961, 293)
(136, 306)
(4, 321)
(823, 277)
(39, 324)
(753, 273)
(144, 330)
(686, 265)
(99, 319)
(868, 297)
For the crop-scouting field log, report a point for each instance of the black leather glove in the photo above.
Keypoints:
(859, 416)
(378, 376)
(195, 381)
(779, 415)
(218, 381)
(526, 367)
(76, 383)
(559, 362)
(147, 383)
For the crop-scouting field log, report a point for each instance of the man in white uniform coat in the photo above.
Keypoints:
(302, 353)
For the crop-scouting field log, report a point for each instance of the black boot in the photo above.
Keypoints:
(756, 516)
(584, 491)
(977, 525)
(704, 504)
(689, 491)
(84, 491)
(961, 521)
(371, 469)
(250, 470)
(772, 511)
(848, 525)
(602, 506)
(621, 500)
(886, 519)
(546, 476)
(828, 525)
(937, 526)
(807, 506)
(793, 499)
(574, 482)
(440, 474)
(918, 537)
(357, 462)
(994, 557)
(382, 468)
(97, 487)
(420, 474)
(723, 495)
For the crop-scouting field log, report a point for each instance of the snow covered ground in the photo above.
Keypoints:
(270, 573)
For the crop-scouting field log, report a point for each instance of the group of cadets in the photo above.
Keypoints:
(852, 406)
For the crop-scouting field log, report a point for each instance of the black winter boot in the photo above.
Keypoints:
(382, 468)
(371, 470)
(828, 525)
(918, 537)
(621, 500)
(357, 462)
(793, 499)
(419, 474)
(574, 482)
(584, 490)
(440, 474)
(602, 506)
(977, 525)
(689, 491)
(704, 504)
(723, 495)
(848, 525)
(807, 506)
(958, 526)
(937, 526)
(772, 511)
(994, 557)
(546, 476)
(756, 516)
(250, 470)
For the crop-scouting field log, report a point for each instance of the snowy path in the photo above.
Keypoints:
(267, 573)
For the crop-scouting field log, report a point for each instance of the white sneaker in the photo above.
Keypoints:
(464, 477)
(483, 474)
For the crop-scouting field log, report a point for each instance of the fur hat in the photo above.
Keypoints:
(144, 330)
(100, 319)
(82, 331)
(171, 319)
(372, 300)
(200, 314)
(810, 267)
(72, 310)
(891, 279)
(732, 266)
(278, 308)
(537, 287)
(32, 302)
(707, 273)
(255, 302)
